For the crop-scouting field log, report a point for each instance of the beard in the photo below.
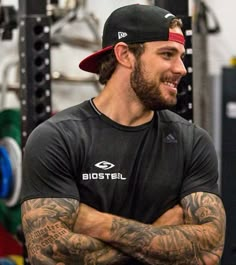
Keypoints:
(148, 91)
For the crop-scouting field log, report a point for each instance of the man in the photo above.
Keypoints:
(103, 179)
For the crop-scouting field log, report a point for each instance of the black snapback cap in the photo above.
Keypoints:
(132, 24)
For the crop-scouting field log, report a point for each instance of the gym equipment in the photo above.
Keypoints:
(8, 244)
(8, 21)
(5, 261)
(6, 173)
(34, 58)
(10, 124)
(10, 185)
(34, 49)
(17, 259)
(14, 181)
(10, 141)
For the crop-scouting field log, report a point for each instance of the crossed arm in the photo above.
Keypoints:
(199, 241)
(58, 231)
(48, 229)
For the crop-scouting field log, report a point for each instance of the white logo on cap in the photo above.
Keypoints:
(122, 35)
(169, 15)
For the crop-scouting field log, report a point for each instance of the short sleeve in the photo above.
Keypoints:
(47, 169)
(201, 174)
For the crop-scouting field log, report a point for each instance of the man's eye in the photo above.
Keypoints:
(167, 54)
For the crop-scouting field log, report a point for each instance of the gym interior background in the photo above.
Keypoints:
(58, 34)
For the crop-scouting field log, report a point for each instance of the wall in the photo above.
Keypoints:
(221, 47)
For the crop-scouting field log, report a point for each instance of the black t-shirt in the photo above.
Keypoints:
(135, 172)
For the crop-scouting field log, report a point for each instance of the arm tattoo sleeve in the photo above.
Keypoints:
(47, 225)
(198, 242)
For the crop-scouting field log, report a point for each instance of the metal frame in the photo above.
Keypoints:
(35, 83)
(34, 49)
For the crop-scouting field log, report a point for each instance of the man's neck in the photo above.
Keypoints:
(121, 107)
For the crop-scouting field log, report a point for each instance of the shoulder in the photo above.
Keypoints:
(172, 123)
(80, 112)
(193, 138)
(63, 127)
(175, 121)
(65, 120)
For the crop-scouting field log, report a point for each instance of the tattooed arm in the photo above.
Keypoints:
(50, 238)
(48, 229)
(198, 242)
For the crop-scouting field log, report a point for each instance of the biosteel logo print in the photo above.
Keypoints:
(104, 165)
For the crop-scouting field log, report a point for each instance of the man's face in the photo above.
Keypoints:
(157, 73)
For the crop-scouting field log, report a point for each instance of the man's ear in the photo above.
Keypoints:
(123, 55)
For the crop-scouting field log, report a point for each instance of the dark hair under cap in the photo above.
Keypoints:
(132, 24)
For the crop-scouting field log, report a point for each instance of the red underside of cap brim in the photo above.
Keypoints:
(91, 63)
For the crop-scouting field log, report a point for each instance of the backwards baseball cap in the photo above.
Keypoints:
(132, 24)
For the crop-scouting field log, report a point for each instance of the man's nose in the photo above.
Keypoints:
(179, 67)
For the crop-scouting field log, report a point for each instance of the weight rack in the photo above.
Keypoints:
(34, 50)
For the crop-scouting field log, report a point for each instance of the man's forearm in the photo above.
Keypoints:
(77, 250)
(185, 244)
(201, 241)
(50, 239)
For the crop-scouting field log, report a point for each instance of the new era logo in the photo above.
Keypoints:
(170, 139)
(122, 35)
